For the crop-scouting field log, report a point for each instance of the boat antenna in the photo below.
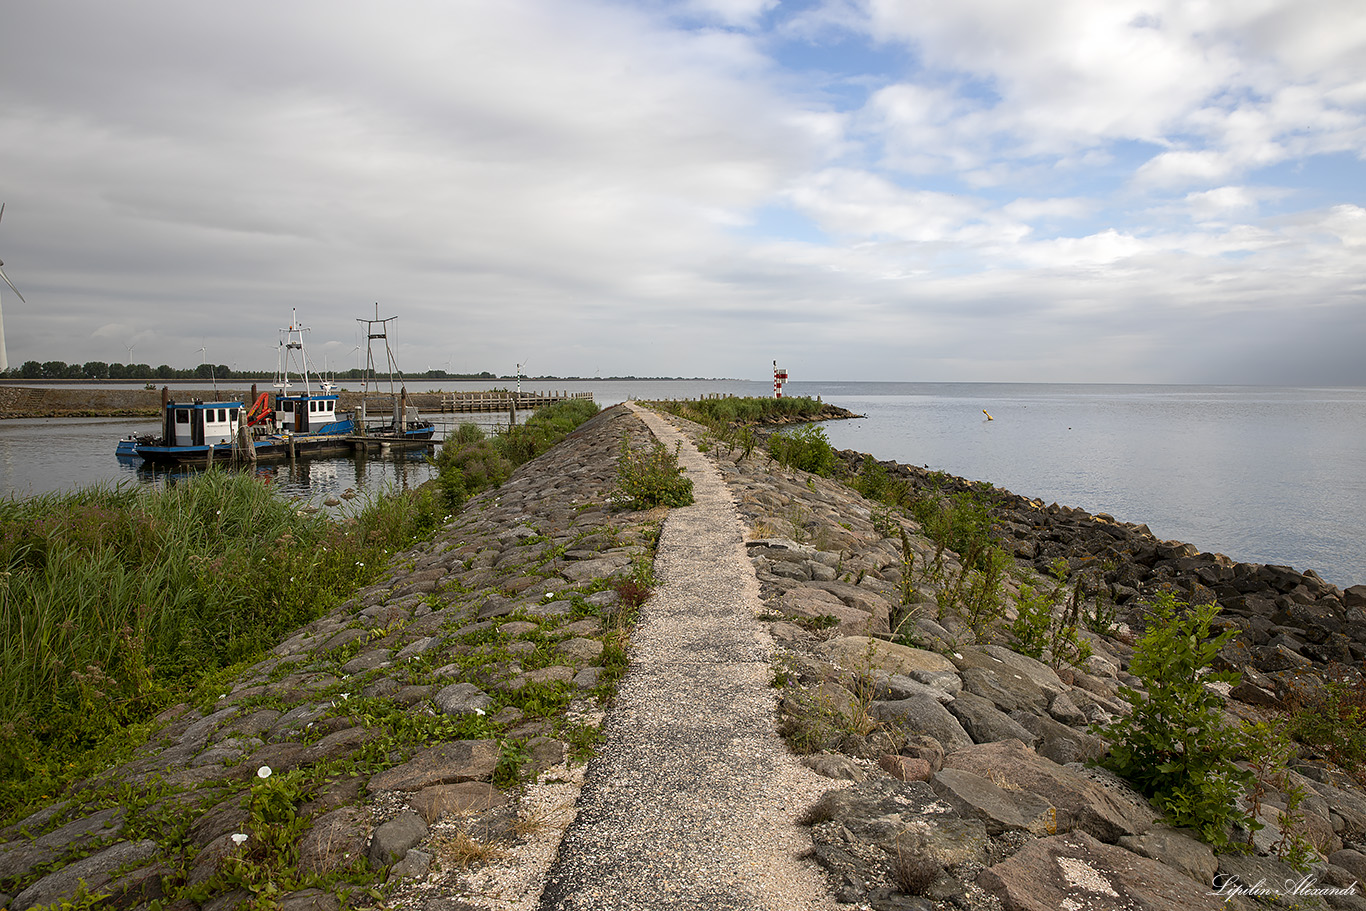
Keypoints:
(4, 357)
(202, 354)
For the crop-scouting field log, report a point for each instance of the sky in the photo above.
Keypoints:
(1088, 191)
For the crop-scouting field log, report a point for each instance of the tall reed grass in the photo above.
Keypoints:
(116, 602)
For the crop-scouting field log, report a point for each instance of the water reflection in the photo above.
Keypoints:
(318, 481)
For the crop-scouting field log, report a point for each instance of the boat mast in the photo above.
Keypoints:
(378, 329)
(292, 353)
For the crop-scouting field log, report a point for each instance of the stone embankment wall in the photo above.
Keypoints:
(957, 766)
(966, 763)
(487, 653)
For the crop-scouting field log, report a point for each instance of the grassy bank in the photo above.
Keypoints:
(118, 602)
(472, 460)
(744, 411)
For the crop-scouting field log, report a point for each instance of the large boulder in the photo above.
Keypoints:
(879, 818)
(811, 603)
(447, 763)
(1076, 871)
(923, 715)
(985, 723)
(1083, 802)
(1175, 848)
(860, 653)
(1010, 691)
(999, 809)
(1058, 742)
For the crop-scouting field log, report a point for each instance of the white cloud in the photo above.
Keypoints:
(678, 188)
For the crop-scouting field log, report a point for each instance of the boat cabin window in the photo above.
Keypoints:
(182, 415)
(312, 406)
(289, 405)
(327, 406)
(222, 415)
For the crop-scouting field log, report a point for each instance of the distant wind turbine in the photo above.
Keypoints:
(4, 357)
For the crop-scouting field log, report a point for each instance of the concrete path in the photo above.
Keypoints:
(690, 802)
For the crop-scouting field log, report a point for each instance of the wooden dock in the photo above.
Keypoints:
(502, 400)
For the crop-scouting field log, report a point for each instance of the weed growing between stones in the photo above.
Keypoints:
(913, 869)
(977, 595)
(875, 484)
(1269, 749)
(461, 850)
(1333, 722)
(512, 756)
(1045, 626)
(650, 478)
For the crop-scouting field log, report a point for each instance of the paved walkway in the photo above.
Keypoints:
(690, 802)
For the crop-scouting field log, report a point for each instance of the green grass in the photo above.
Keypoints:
(741, 410)
(117, 602)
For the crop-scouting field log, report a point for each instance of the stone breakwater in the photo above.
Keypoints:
(968, 760)
(409, 721)
(1293, 626)
(486, 654)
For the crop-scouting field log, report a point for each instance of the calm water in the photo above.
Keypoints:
(1263, 474)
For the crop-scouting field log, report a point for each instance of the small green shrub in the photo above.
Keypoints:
(1033, 616)
(1175, 747)
(806, 448)
(651, 477)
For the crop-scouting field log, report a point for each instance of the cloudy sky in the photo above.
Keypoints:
(976, 190)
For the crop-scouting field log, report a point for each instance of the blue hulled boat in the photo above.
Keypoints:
(286, 425)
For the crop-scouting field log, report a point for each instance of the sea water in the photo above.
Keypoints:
(1265, 475)
(1262, 474)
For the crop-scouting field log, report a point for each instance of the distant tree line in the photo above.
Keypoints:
(99, 370)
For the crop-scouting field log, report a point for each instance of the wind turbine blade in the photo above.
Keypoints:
(11, 285)
(2, 210)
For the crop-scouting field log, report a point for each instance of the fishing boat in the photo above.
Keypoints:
(293, 422)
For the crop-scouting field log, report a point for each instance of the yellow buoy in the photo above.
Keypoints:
(989, 417)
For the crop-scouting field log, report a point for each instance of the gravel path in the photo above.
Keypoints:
(691, 800)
